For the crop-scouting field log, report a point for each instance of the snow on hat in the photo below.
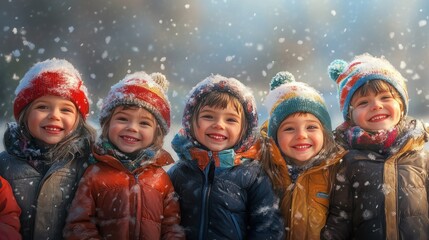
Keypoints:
(364, 68)
(218, 83)
(288, 96)
(55, 77)
(142, 90)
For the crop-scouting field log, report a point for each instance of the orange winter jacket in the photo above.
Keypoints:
(113, 203)
(9, 213)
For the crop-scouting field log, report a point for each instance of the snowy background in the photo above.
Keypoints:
(189, 40)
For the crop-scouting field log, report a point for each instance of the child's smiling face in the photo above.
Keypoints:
(218, 129)
(375, 111)
(132, 129)
(51, 118)
(300, 137)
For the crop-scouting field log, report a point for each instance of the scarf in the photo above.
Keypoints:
(130, 161)
(380, 141)
(295, 170)
(29, 149)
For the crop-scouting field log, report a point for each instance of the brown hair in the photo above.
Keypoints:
(220, 100)
(158, 141)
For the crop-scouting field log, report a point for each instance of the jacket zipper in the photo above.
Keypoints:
(136, 199)
(208, 180)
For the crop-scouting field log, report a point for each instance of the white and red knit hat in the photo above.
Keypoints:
(142, 90)
(351, 76)
(55, 77)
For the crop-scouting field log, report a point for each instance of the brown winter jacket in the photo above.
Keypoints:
(113, 203)
(9, 213)
(304, 205)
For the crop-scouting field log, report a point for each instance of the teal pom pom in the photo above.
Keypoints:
(336, 68)
(281, 78)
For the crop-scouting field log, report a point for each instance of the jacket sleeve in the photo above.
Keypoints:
(265, 220)
(9, 213)
(339, 221)
(78, 223)
(170, 226)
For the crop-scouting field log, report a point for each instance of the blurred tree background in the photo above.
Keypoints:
(187, 40)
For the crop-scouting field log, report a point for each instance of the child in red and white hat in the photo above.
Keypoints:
(127, 194)
(48, 146)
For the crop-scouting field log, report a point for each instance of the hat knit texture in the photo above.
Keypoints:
(142, 90)
(218, 83)
(288, 96)
(56, 77)
(364, 68)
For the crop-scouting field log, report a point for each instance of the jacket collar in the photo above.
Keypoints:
(189, 151)
(162, 158)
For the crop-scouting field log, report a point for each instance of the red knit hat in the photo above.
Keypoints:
(143, 90)
(55, 77)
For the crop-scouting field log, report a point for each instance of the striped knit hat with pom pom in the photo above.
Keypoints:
(351, 76)
(288, 96)
(142, 90)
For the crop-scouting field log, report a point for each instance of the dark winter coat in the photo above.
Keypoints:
(114, 203)
(224, 195)
(383, 196)
(9, 213)
(44, 199)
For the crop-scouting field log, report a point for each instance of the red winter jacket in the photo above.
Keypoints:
(9, 213)
(113, 203)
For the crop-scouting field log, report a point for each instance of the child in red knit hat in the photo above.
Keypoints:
(48, 146)
(9, 213)
(381, 188)
(127, 194)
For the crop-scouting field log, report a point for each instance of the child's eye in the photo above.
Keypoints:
(361, 103)
(313, 127)
(386, 97)
(234, 120)
(41, 107)
(206, 116)
(145, 123)
(288, 129)
(67, 110)
(123, 119)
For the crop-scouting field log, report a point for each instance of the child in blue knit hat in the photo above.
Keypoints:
(381, 189)
(223, 191)
(299, 154)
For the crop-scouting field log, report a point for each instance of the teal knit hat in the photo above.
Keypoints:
(288, 96)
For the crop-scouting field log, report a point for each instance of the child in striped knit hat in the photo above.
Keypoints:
(299, 154)
(127, 194)
(381, 189)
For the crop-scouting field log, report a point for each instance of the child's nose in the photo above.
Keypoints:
(219, 124)
(301, 134)
(131, 127)
(376, 105)
(54, 114)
